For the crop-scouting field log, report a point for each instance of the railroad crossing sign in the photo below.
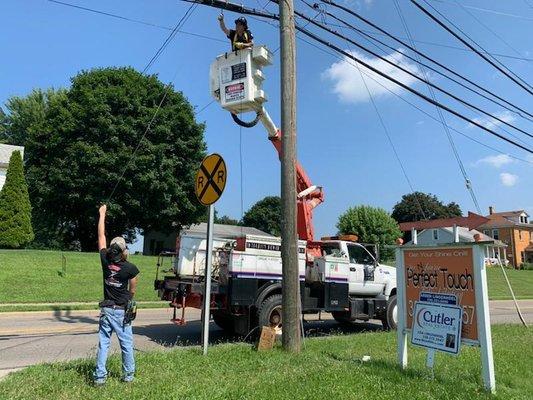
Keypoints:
(211, 179)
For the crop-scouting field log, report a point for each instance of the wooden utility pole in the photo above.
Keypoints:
(289, 241)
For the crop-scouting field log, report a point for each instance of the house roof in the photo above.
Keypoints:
(225, 231)
(503, 220)
(5, 153)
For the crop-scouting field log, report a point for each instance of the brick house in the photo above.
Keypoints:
(514, 229)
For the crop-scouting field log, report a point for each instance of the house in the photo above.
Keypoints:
(514, 229)
(5, 155)
(444, 235)
(156, 242)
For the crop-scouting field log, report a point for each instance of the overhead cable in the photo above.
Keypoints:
(508, 73)
(403, 43)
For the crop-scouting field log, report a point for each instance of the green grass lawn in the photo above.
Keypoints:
(328, 368)
(34, 276)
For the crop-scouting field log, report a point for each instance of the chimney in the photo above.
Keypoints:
(491, 210)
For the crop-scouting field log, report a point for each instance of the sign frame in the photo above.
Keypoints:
(484, 340)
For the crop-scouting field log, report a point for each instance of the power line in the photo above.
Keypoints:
(369, 38)
(406, 87)
(488, 28)
(407, 71)
(354, 64)
(462, 168)
(487, 10)
(506, 71)
(170, 37)
(391, 143)
(137, 21)
(403, 43)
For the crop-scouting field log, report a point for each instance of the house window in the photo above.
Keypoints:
(486, 232)
(435, 234)
(496, 234)
(523, 255)
(523, 219)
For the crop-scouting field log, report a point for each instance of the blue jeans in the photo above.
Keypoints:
(112, 320)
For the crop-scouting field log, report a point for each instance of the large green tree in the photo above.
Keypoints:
(15, 209)
(418, 206)
(370, 224)
(25, 115)
(96, 147)
(265, 215)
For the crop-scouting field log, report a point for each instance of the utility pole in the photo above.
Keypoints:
(289, 238)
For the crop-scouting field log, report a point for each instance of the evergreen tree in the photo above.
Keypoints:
(15, 208)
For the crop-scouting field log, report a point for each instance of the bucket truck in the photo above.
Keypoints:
(337, 274)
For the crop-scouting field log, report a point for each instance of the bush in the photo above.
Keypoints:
(527, 266)
(15, 208)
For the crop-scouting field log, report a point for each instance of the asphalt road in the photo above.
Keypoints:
(28, 338)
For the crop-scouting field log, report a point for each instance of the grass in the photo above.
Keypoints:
(329, 368)
(36, 276)
(521, 282)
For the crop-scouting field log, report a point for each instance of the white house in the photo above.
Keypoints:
(446, 235)
(5, 154)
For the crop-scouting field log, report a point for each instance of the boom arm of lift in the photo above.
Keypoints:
(308, 195)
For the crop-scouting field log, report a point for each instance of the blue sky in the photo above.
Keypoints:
(340, 140)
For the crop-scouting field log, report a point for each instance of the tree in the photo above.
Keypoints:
(15, 209)
(95, 144)
(226, 220)
(25, 115)
(410, 208)
(265, 215)
(370, 224)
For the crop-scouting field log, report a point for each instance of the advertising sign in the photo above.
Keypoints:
(442, 271)
(437, 326)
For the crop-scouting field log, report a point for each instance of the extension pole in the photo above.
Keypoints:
(289, 238)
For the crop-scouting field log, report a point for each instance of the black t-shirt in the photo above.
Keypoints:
(246, 37)
(116, 277)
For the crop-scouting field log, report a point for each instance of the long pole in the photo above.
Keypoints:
(206, 313)
(289, 241)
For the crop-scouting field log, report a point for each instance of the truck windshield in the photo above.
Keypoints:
(359, 255)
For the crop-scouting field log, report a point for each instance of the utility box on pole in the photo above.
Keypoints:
(236, 79)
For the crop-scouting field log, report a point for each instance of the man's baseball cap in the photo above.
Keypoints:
(120, 242)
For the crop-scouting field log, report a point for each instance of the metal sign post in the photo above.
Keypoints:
(206, 311)
(210, 183)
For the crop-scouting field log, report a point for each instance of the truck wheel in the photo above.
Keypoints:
(224, 321)
(269, 313)
(390, 320)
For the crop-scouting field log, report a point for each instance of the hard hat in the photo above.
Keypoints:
(242, 21)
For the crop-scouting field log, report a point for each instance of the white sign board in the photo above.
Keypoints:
(437, 326)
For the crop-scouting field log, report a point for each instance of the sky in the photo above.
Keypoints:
(341, 141)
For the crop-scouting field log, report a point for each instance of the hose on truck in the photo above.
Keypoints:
(244, 124)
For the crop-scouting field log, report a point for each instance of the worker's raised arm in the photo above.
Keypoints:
(102, 242)
(223, 25)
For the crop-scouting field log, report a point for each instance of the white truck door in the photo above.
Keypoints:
(359, 258)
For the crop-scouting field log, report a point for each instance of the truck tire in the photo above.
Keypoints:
(390, 320)
(224, 321)
(269, 312)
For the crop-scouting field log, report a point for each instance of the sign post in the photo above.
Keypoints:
(210, 183)
(443, 302)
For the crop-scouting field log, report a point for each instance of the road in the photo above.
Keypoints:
(28, 338)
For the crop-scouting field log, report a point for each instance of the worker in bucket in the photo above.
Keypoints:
(117, 310)
(240, 37)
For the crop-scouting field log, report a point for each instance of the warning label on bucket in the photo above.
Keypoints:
(235, 92)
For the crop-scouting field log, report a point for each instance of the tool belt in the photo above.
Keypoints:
(131, 312)
(110, 304)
